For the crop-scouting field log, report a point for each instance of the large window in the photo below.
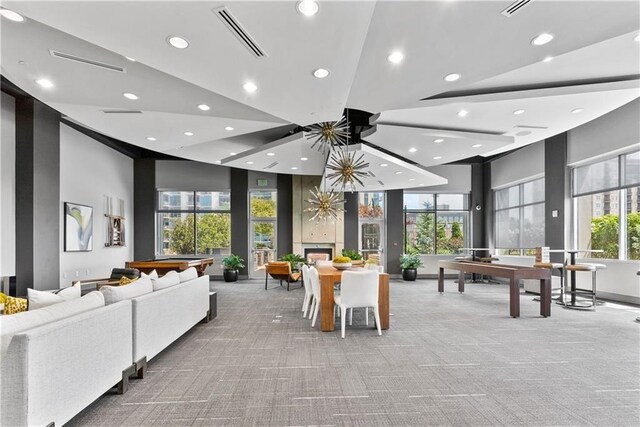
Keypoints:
(519, 218)
(607, 207)
(263, 211)
(193, 223)
(371, 223)
(435, 223)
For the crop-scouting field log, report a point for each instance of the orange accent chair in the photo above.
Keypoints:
(280, 270)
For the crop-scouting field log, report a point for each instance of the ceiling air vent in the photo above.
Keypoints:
(122, 111)
(234, 26)
(86, 61)
(515, 7)
(530, 127)
(270, 166)
(381, 183)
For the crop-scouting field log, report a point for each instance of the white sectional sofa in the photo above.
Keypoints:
(161, 317)
(58, 359)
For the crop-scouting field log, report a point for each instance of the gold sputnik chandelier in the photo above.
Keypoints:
(328, 135)
(347, 170)
(325, 205)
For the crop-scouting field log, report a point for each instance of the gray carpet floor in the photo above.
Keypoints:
(450, 359)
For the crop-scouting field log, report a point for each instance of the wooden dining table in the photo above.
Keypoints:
(329, 276)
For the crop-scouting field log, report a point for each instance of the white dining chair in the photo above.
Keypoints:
(359, 289)
(308, 291)
(315, 287)
(321, 262)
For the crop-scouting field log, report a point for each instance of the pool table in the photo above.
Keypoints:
(162, 266)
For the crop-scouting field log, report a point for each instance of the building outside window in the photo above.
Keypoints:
(435, 223)
(519, 218)
(186, 228)
(606, 196)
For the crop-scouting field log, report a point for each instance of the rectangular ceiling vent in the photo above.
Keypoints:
(234, 26)
(381, 183)
(270, 166)
(122, 111)
(86, 61)
(515, 7)
(372, 175)
(531, 127)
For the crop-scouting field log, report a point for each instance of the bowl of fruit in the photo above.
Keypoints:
(342, 262)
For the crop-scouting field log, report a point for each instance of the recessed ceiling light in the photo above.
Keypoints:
(250, 87)
(577, 110)
(204, 107)
(47, 84)
(228, 128)
(218, 161)
(130, 59)
(321, 73)
(637, 39)
(518, 112)
(150, 138)
(398, 172)
(307, 7)
(542, 39)
(452, 77)
(412, 179)
(547, 59)
(293, 168)
(463, 113)
(438, 141)
(188, 133)
(11, 15)
(232, 154)
(304, 159)
(249, 162)
(437, 157)
(178, 42)
(476, 146)
(271, 154)
(384, 165)
(395, 57)
(413, 150)
(130, 95)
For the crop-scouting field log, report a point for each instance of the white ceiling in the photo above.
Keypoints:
(595, 67)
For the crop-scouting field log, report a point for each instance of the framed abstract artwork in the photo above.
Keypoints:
(78, 227)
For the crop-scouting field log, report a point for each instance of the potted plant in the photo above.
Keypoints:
(231, 264)
(354, 255)
(294, 259)
(409, 264)
(342, 262)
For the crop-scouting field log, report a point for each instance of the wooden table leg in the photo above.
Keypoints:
(461, 281)
(545, 297)
(514, 298)
(326, 304)
(441, 280)
(383, 301)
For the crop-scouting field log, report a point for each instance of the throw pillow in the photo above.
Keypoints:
(189, 274)
(119, 293)
(124, 280)
(153, 275)
(13, 305)
(172, 278)
(38, 299)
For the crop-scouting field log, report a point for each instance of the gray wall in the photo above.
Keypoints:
(8, 187)
(240, 215)
(557, 195)
(351, 226)
(478, 199)
(191, 176)
(395, 230)
(144, 201)
(38, 198)
(285, 209)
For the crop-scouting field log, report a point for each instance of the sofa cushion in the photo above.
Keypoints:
(189, 274)
(11, 325)
(170, 279)
(118, 293)
(153, 275)
(38, 299)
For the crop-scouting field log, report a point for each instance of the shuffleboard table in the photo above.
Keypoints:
(514, 273)
(163, 266)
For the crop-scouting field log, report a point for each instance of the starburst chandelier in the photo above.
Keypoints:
(328, 135)
(325, 205)
(347, 169)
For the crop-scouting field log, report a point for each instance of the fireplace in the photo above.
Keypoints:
(328, 251)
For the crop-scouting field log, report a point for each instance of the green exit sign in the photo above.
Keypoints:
(263, 183)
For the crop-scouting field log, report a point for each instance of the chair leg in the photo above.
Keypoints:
(305, 305)
(315, 314)
(376, 314)
(593, 288)
(266, 279)
(287, 284)
(344, 318)
(366, 316)
(313, 307)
